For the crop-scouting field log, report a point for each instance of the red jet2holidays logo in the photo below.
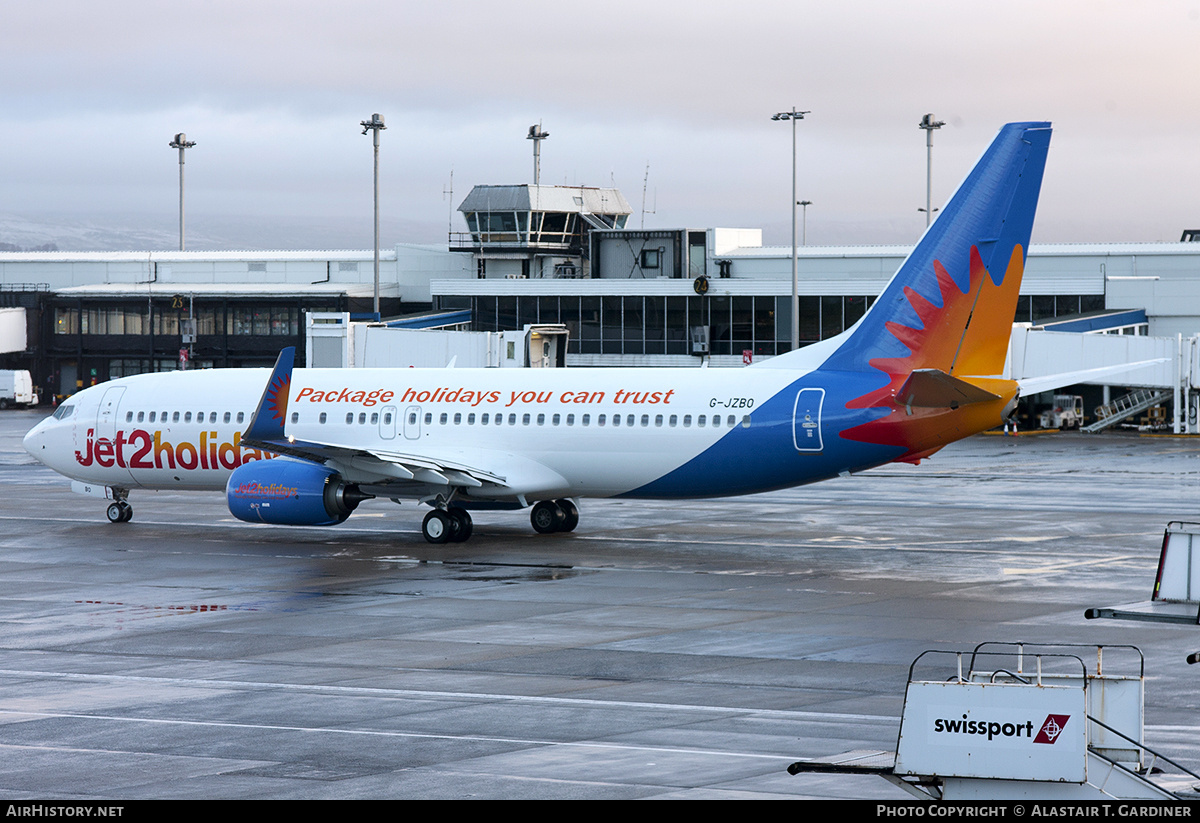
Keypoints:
(1049, 732)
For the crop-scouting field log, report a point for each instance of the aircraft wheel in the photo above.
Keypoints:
(546, 517)
(119, 512)
(128, 512)
(570, 515)
(462, 524)
(437, 526)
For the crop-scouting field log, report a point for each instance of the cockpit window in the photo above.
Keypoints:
(64, 411)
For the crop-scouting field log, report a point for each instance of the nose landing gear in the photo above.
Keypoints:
(119, 511)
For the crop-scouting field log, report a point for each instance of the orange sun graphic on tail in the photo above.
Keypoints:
(948, 382)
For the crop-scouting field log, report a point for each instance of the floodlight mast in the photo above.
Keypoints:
(537, 136)
(182, 143)
(794, 115)
(929, 124)
(375, 125)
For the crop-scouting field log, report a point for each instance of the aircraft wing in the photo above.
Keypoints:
(480, 473)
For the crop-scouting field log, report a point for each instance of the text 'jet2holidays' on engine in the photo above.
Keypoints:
(918, 371)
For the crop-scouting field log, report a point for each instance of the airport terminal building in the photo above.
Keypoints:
(530, 255)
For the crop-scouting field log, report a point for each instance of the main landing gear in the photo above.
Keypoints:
(550, 516)
(120, 511)
(449, 525)
(453, 523)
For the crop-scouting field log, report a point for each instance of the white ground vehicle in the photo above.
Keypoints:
(1066, 414)
(16, 389)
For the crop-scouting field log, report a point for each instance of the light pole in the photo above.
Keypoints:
(375, 125)
(182, 143)
(804, 204)
(537, 136)
(929, 124)
(794, 115)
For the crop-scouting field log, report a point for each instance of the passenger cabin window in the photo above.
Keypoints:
(321, 418)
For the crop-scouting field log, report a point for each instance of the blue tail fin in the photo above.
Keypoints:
(271, 413)
(951, 304)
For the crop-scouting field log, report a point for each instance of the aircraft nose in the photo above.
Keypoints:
(35, 441)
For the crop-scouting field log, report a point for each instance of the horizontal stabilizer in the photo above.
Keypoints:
(933, 388)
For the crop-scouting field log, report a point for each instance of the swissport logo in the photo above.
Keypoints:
(1049, 731)
(1052, 727)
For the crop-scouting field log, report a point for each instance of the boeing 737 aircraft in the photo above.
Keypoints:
(918, 371)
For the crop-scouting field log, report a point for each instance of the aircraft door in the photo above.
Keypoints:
(806, 420)
(387, 423)
(412, 422)
(106, 423)
(106, 415)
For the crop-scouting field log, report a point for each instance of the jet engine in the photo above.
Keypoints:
(291, 493)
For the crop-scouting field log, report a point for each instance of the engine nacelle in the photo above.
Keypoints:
(290, 493)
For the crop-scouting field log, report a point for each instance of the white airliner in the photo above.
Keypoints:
(918, 371)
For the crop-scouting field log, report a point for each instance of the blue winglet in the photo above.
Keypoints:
(269, 417)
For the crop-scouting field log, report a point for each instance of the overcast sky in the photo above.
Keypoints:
(272, 92)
